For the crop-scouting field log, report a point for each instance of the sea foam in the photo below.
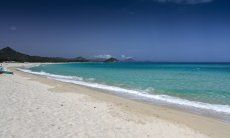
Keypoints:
(162, 98)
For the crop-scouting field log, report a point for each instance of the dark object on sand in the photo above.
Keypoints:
(6, 72)
(2, 70)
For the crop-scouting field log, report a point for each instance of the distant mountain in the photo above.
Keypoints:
(111, 60)
(97, 59)
(9, 54)
(81, 59)
(128, 60)
(103, 59)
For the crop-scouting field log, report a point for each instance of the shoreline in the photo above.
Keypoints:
(206, 125)
(216, 111)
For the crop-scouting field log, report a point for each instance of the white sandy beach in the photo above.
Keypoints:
(33, 106)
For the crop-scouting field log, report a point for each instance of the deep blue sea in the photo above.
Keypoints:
(198, 86)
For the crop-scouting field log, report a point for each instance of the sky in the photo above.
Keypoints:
(153, 30)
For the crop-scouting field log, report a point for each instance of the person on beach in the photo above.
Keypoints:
(1, 67)
(4, 70)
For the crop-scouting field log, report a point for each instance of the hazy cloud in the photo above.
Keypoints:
(125, 57)
(185, 1)
(103, 56)
(13, 28)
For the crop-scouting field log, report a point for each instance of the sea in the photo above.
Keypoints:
(201, 88)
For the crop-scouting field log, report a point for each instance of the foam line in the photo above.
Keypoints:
(163, 98)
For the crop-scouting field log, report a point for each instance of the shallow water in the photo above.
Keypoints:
(203, 86)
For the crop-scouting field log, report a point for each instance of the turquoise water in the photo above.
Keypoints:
(203, 83)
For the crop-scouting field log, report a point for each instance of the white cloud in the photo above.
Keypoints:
(125, 57)
(185, 1)
(103, 56)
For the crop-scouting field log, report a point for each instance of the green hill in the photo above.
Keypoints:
(111, 60)
(9, 54)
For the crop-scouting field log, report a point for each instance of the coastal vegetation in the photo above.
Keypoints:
(8, 54)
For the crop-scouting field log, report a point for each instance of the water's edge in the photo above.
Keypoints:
(221, 112)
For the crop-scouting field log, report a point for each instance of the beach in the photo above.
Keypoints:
(35, 106)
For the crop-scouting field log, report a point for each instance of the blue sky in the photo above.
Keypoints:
(156, 30)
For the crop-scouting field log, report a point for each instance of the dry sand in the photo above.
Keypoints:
(34, 106)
